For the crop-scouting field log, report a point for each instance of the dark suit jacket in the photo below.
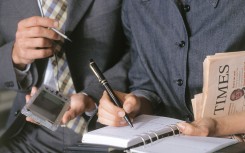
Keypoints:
(95, 29)
(170, 40)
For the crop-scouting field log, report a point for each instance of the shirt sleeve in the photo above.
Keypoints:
(24, 78)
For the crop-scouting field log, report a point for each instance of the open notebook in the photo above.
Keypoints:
(154, 133)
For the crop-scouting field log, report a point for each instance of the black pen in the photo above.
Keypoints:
(108, 88)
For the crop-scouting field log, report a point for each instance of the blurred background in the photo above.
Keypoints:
(6, 100)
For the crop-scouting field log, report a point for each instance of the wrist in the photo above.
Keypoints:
(145, 106)
(91, 112)
(20, 67)
(90, 104)
(215, 129)
(15, 59)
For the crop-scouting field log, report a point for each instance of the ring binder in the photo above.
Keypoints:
(151, 133)
(143, 140)
(175, 125)
(150, 138)
(171, 128)
(155, 134)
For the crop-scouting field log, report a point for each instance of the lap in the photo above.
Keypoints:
(35, 138)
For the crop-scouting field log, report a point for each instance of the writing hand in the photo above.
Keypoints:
(110, 114)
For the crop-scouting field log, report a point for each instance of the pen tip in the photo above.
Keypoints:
(69, 39)
(131, 124)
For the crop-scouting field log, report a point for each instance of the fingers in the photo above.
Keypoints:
(77, 107)
(131, 104)
(35, 43)
(187, 129)
(109, 122)
(33, 90)
(192, 129)
(28, 97)
(37, 32)
(110, 114)
(35, 27)
(69, 115)
(115, 119)
(29, 119)
(38, 21)
(34, 40)
(79, 104)
(26, 55)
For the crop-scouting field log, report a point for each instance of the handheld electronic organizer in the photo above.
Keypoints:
(47, 107)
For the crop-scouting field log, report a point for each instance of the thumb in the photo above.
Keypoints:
(33, 90)
(187, 128)
(131, 104)
(127, 106)
(28, 97)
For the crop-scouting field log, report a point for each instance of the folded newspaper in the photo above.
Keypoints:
(223, 86)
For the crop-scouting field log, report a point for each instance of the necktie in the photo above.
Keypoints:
(57, 9)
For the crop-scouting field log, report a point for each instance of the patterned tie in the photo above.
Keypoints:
(57, 9)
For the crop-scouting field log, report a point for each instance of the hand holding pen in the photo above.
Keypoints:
(108, 89)
(33, 40)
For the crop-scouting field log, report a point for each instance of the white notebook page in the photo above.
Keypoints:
(185, 144)
(127, 136)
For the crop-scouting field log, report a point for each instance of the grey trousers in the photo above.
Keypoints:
(37, 139)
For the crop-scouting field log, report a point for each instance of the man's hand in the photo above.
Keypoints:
(33, 40)
(79, 104)
(28, 97)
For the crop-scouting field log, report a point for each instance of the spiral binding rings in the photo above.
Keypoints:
(143, 140)
(171, 129)
(149, 135)
(152, 138)
(155, 134)
(176, 127)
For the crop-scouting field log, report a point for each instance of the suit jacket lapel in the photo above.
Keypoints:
(76, 10)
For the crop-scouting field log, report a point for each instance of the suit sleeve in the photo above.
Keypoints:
(140, 83)
(9, 79)
(109, 48)
(116, 76)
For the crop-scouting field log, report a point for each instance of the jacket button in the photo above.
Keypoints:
(179, 82)
(182, 44)
(16, 113)
(187, 8)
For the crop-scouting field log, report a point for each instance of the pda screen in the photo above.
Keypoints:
(47, 105)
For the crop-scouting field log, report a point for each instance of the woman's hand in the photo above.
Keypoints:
(110, 114)
(202, 127)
